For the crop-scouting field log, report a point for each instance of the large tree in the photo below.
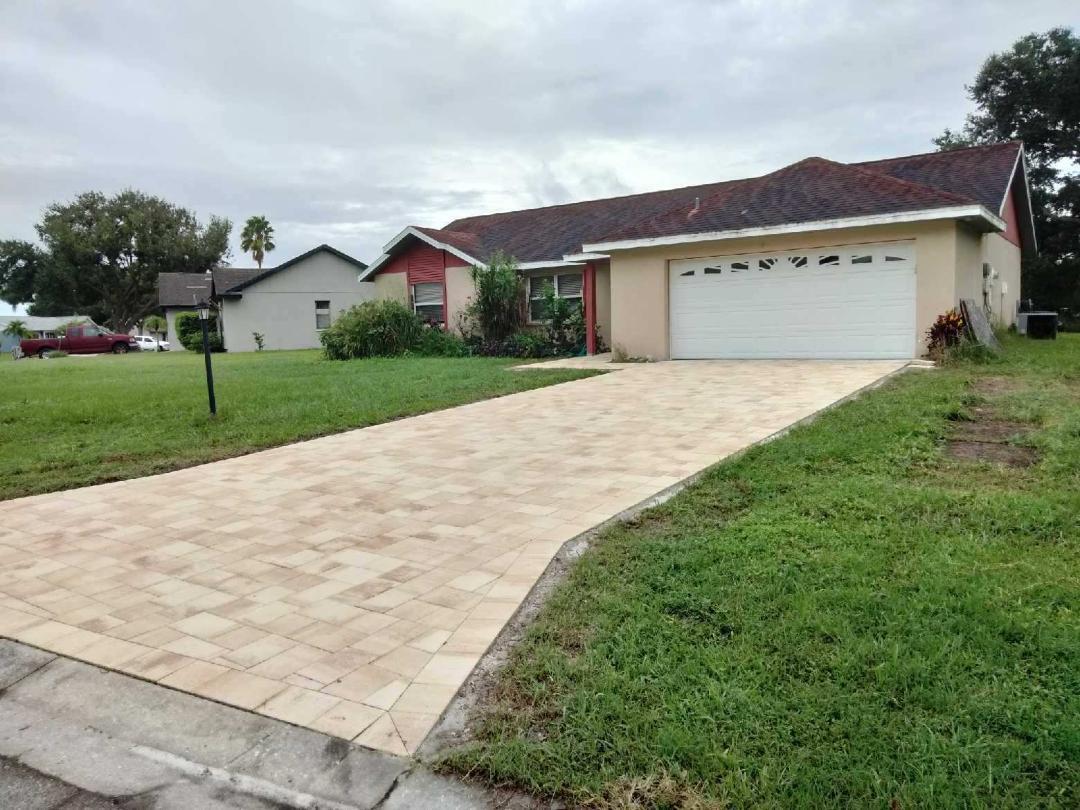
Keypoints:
(101, 256)
(1031, 92)
(257, 238)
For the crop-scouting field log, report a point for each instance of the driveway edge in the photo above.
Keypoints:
(453, 727)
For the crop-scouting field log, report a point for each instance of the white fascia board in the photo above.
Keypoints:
(950, 212)
(1021, 166)
(586, 257)
(546, 265)
(388, 249)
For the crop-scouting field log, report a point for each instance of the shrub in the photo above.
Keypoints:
(260, 340)
(498, 306)
(189, 332)
(564, 324)
(382, 328)
(435, 342)
(947, 331)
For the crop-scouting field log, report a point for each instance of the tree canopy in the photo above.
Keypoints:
(257, 238)
(102, 255)
(1031, 92)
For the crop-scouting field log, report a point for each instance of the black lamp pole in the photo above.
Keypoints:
(204, 319)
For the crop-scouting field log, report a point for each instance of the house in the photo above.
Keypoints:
(40, 327)
(289, 305)
(180, 292)
(819, 259)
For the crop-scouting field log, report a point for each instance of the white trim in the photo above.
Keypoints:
(951, 212)
(1021, 162)
(411, 231)
(586, 257)
(547, 265)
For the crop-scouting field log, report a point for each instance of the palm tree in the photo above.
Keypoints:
(257, 238)
(17, 329)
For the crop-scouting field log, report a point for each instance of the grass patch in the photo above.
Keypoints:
(85, 420)
(841, 618)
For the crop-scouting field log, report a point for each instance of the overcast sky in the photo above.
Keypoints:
(345, 120)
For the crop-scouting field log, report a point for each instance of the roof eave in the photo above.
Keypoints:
(973, 213)
(389, 247)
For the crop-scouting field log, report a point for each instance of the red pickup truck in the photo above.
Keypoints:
(83, 339)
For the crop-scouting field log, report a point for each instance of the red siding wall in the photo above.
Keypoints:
(423, 263)
(1012, 221)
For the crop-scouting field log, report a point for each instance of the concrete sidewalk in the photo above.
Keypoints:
(75, 736)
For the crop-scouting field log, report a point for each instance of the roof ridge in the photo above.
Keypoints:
(1012, 142)
(960, 198)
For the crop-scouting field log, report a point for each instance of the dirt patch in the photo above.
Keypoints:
(991, 430)
(993, 452)
(991, 386)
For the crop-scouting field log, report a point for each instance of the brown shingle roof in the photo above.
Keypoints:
(981, 173)
(812, 189)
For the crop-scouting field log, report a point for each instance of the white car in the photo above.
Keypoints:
(151, 344)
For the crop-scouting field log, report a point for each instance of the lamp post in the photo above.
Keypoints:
(204, 319)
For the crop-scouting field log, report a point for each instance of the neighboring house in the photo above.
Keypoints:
(40, 326)
(289, 304)
(179, 292)
(819, 259)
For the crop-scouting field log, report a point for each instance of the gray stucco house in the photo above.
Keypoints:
(289, 304)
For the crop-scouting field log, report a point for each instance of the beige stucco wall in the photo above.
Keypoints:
(639, 277)
(282, 306)
(1004, 256)
(392, 286)
(459, 292)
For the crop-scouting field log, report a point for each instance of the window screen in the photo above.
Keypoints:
(322, 314)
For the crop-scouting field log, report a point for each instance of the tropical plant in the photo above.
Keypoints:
(946, 332)
(257, 238)
(564, 323)
(498, 304)
(17, 329)
(155, 324)
(260, 340)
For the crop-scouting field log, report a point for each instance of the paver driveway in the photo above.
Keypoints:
(350, 583)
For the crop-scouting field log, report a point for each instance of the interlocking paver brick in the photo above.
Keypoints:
(350, 583)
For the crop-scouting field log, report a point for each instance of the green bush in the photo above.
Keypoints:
(189, 333)
(497, 309)
(564, 324)
(381, 328)
(435, 342)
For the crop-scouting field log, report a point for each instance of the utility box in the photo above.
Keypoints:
(1042, 325)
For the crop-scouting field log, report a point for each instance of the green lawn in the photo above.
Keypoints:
(842, 618)
(83, 420)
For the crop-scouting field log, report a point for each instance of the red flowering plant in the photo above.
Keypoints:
(947, 331)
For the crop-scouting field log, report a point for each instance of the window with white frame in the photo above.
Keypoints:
(322, 315)
(428, 301)
(565, 285)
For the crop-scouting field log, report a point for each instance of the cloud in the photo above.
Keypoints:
(342, 121)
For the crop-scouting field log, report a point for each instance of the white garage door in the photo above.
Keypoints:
(855, 301)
